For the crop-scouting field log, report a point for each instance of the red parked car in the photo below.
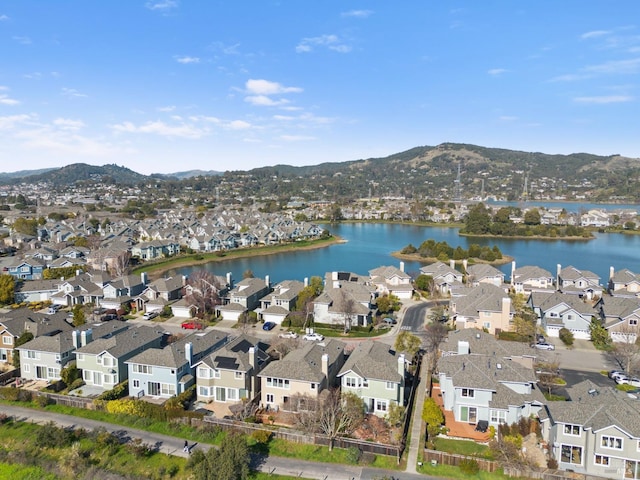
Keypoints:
(191, 325)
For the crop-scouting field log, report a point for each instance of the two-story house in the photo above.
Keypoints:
(295, 382)
(168, 371)
(276, 306)
(624, 283)
(557, 310)
(102, 360)
(483, 273)
(530, 278)
(485, 307)
(244, 296)
(444, 276)
(376, 374)
(390, 280)
(596, 433)
(577, 282)
(230, 374)
(46, 355)
(621, 317)
(27, 268)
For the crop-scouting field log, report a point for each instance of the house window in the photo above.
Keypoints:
(99, 360)
(611, 442)
(80, 357)
(232, 394)
(351, 382)
(168, 389)
(381, 405)
(53, 372)
(486, 314)
(498, 416)
(486, 325)
(108, 361)
(269, 397)
(136, 384)
(365, 383)
(391, 385)
(204, 372)
(569, 317)
(7, 340)
(86, 375)
(205, 391)
(31, 354)
(277, 383)
(601, 460)
(313, 386)
(468, 392)
(26, 367)
(571, 454)
(633, 321)
(238, 375)
(146, 369)
(216, 373)
(631, 469)
(572, 430)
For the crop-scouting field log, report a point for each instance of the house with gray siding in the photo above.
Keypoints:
(169, 371)
(102, 360)
(596, 433)
(376, 374)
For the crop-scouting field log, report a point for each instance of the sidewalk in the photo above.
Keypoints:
(416, 420)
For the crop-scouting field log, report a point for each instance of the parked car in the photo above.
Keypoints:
(192, 325)
(109, 316)
(315, 337)
(540, 338)
(633, 381)
(150, 315)
(390, 321)
(99, 311)
(53, 309)
(288, 335)
(544, 346)
(268, 325)
(615, 374)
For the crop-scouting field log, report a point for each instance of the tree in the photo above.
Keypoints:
(388, 303)
(627, 349)
(7, 289)
(22, 339)
(478, 220)
(120, 263)
(69, 373)
(338, 414)
(599, 335)
(335, 213)
(202, 291)
(434, 418)
(229, 462)
(435, 334)
(566, 336)
(408, 343)
(548, 373)
(26, 226)
(347, 305)
(425, 283)
(532, 217)
(78, 316)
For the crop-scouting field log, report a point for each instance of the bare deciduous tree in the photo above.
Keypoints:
(119, 263)
(626, 349)
(202, 291)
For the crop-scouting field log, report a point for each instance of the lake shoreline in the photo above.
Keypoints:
(415, 257)
(156, 270)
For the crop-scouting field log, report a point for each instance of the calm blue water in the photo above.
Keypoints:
(369, 246)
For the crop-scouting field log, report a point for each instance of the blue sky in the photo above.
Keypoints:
(172, 85)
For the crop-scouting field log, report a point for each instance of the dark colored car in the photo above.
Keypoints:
(268, 325)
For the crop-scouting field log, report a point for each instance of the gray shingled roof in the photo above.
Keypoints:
(235, 354)
(305, 364)
(373, 360)
(123, 342)
(482, 372)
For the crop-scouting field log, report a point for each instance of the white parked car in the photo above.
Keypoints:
(633, 381)
(150, 315)
(288, 335)
(315, 337)
(544, 346)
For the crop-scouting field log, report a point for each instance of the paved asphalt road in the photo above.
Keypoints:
(173, 446)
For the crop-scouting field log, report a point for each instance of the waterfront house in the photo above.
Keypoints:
(444, 276)
(346, 303)
(557, 310)
(275, 306)
(483, 273)
(530, 278)
(578, 282)
(621, 317)
(623, 283)
(484, 307)
(390, 280)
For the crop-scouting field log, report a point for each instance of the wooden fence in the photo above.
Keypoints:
(298, 437)
(67, 400)
(453, 459)
(548, 474)
(7, 377)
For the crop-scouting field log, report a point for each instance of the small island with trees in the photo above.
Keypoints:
(431, 251)
(509, 222)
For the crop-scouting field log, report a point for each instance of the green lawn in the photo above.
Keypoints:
(462, 447)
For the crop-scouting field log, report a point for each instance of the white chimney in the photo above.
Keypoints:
(464, 265)
(253, 357)
(266, 281)
(306, 281)
(184, 280)
(401, 364)
(188, 352)
(229, 279)
(325, 365)
(513, 273)
(611, 272)
(402, 266)
(78, 272)
(452, 263)
(463, 347)
(75, 340)
(86, 336)
(558, 268)
(143, 278)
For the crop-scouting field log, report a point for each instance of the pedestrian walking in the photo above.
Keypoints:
(186, 446)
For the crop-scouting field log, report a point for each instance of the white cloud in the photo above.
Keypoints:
(616, 66)
(264, 101)
(185, 60)
(162, 5)
(3, 18)
(332, 42)
(34, 75)
(594, 34)
(163, 129)
(357, 13)
(239, 125)
(507, 118)
(168, 108)
(72, 92)
(6, 100)
(296, 138)
(604, 99)
(570, 77)
(68, 124)
(22, 40)
(496, 71)
(265, 87)
(11, 121)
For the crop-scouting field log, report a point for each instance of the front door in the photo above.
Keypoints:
(97, 378)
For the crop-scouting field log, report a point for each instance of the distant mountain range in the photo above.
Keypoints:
(447, 171)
